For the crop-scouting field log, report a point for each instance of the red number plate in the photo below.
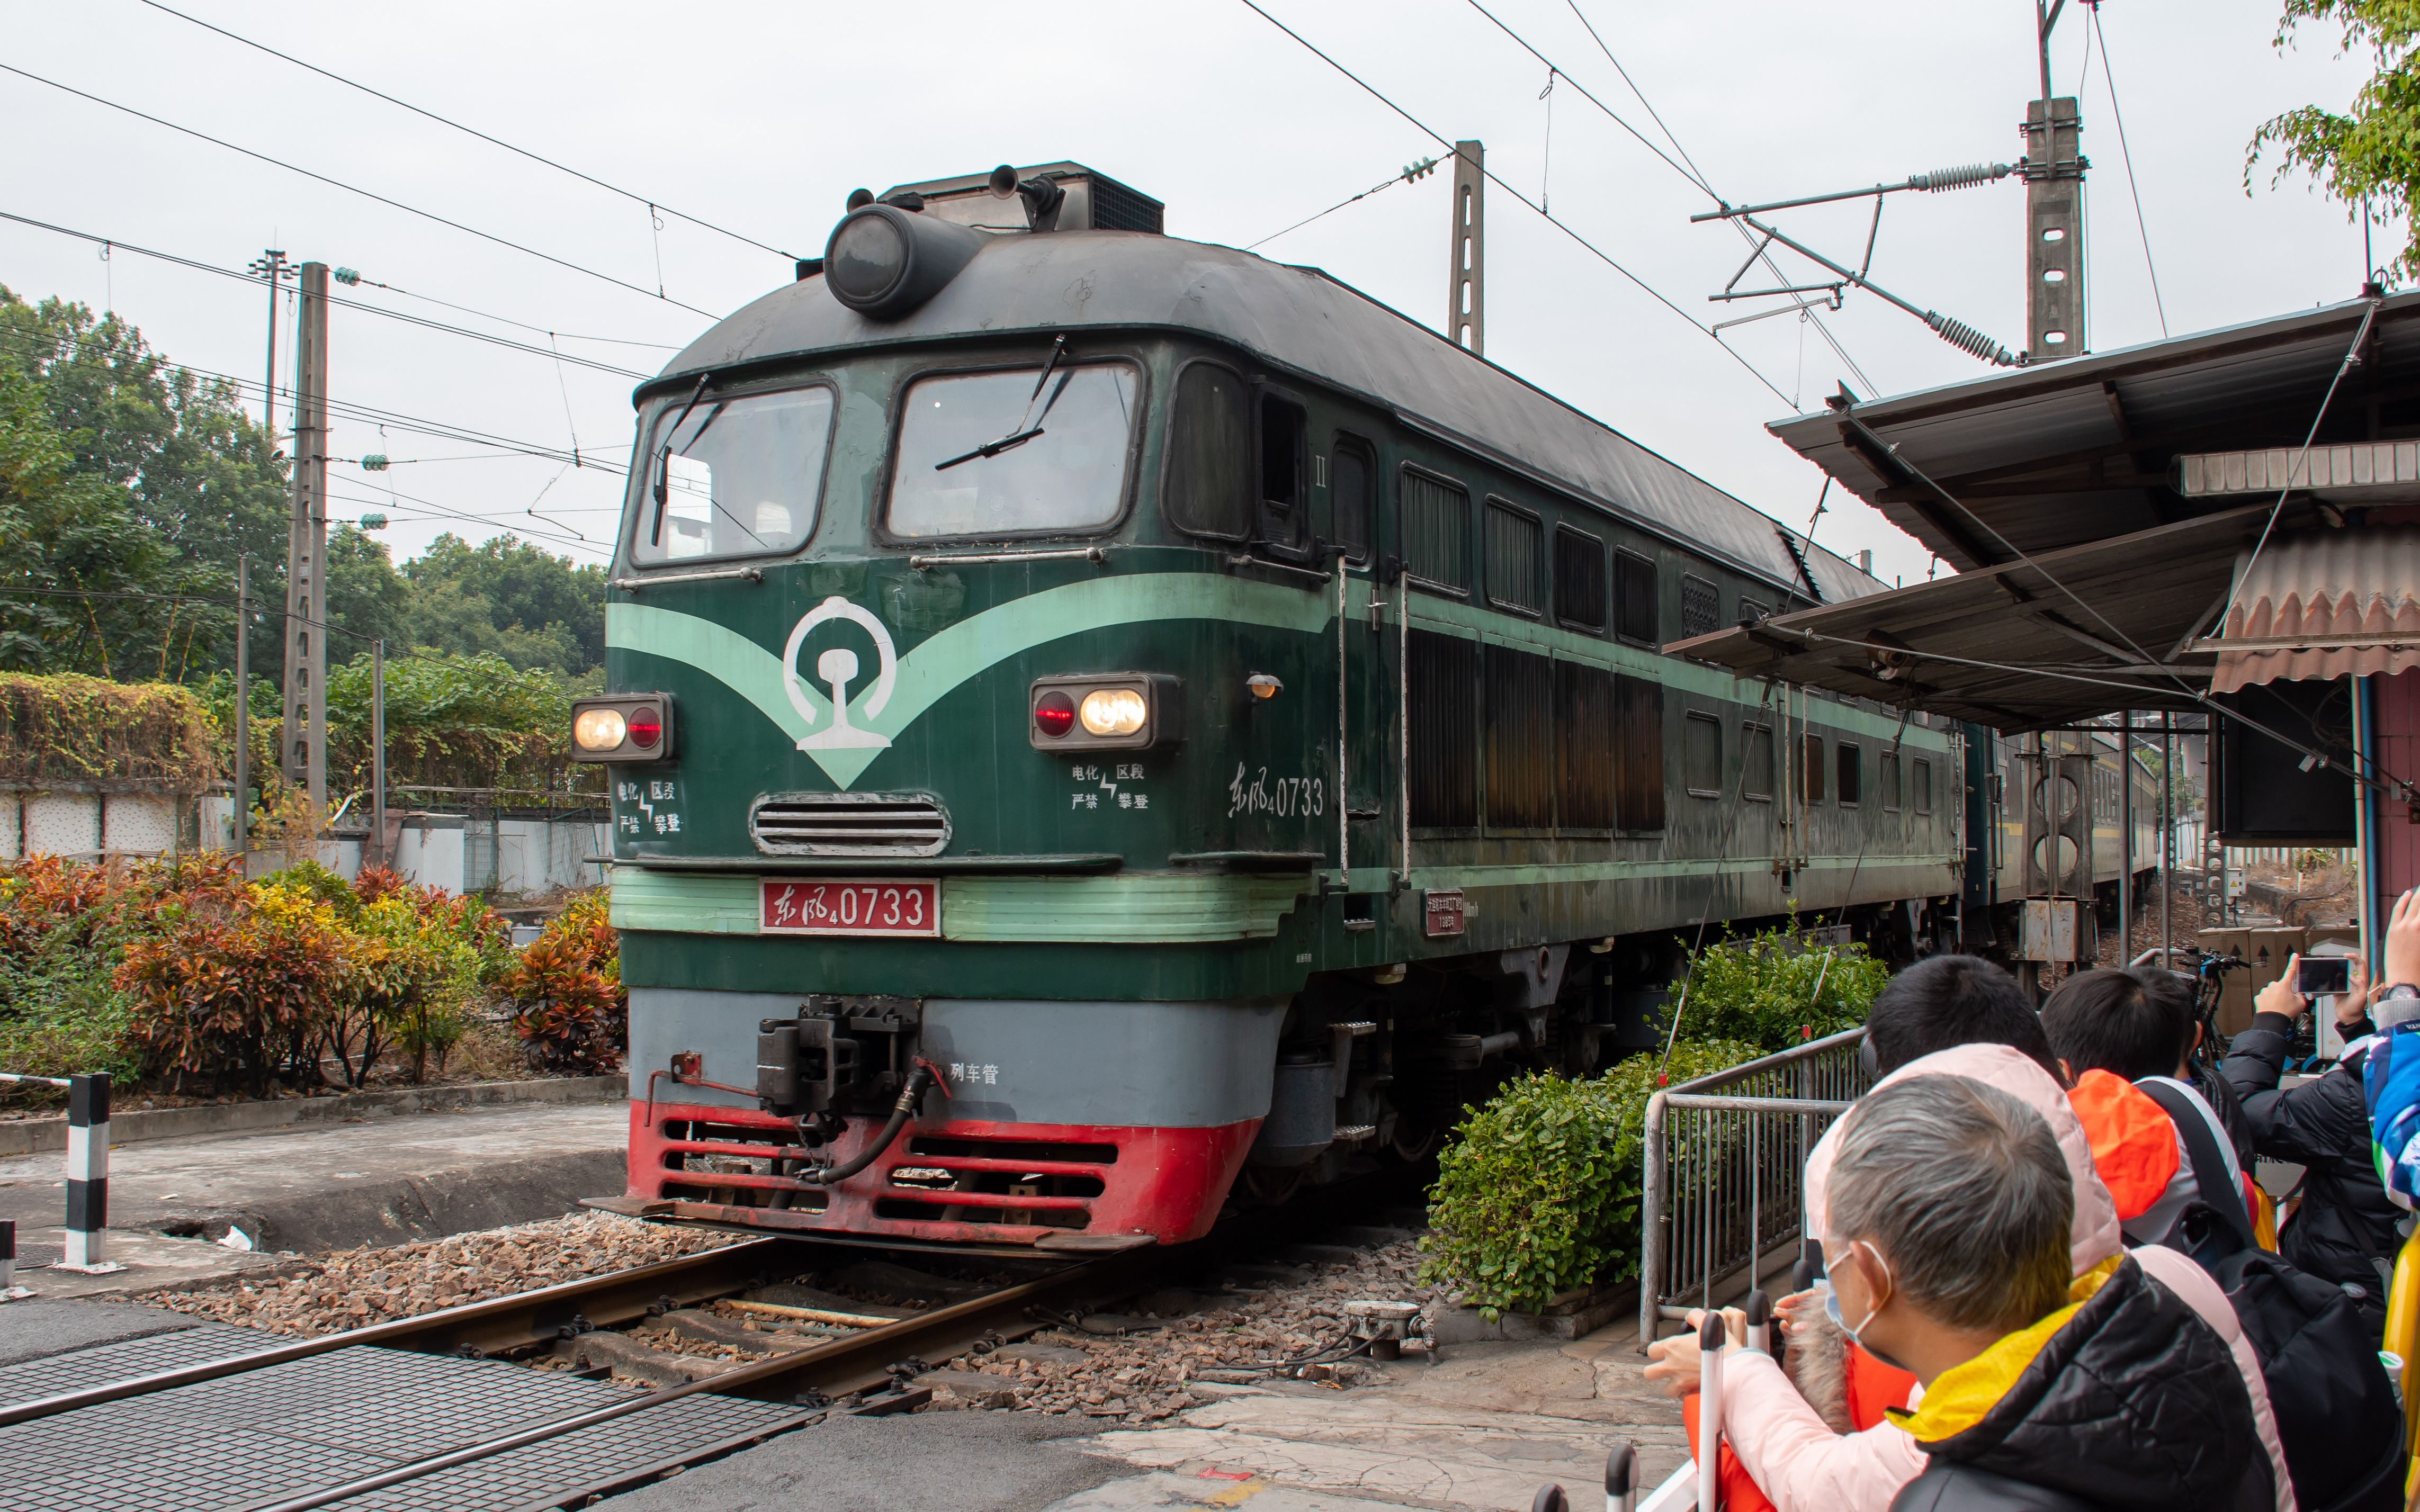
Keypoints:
(849, 907)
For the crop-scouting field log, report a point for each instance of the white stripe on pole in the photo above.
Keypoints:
(87, 1215)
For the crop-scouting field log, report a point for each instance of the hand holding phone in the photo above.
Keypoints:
(2323, 976)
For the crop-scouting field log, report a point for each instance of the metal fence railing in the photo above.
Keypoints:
(1726, 1164)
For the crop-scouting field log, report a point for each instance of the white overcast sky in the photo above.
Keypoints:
(762, 118)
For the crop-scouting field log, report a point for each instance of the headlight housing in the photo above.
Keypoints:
(624, 727)
(1110, 711)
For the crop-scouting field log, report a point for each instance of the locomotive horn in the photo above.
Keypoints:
(1004, 181)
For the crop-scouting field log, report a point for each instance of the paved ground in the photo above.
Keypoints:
(376, 1181)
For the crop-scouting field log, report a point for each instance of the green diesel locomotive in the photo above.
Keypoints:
(1103, 725)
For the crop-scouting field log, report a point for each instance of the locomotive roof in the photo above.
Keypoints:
(1299, 320)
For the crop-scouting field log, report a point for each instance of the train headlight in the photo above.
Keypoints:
(1111, 711)
(624, 727)
(599, 728)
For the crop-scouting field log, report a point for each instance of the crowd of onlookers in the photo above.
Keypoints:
(2049, 1279)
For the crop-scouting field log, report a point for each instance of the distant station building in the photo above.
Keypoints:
(2224, 525)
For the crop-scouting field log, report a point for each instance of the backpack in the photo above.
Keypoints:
(2338, 1419)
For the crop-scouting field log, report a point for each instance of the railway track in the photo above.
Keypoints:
(576, 1435)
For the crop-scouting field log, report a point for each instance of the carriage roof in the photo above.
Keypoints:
(1295, 319)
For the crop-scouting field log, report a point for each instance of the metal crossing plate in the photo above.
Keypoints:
(253, 1438)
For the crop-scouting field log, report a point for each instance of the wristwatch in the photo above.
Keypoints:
(2401, 989)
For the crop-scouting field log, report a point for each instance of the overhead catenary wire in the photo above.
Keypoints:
(355, 189)
(1410, 173)
(652, 205)
(2126, 153)
(1494, 177)
(422, 321)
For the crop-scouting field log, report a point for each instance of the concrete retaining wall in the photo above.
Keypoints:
(28, 1136)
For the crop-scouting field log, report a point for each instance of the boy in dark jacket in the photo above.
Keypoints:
(1948, 1213)
(2344, 1230)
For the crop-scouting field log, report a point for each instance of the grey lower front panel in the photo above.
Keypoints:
(1184, 1065)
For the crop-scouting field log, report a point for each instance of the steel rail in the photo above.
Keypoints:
(497, 1325)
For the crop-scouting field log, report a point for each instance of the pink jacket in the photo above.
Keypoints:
(1804, 1467)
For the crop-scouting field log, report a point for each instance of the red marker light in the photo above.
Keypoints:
(1054, 714)
(647, 728)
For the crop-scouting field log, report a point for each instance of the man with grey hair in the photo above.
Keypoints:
(1947, 1245)
(2344, 1230)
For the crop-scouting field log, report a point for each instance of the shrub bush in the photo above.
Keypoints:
(1538, 1192)
(566, 992)
(239, 996)
(1775, 990)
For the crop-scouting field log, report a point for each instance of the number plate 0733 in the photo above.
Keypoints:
(836, 907)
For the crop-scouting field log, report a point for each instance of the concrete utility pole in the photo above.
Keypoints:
(303, 747)
(242, 705)
(2053, 171)
(1465, 304)
(378, 754)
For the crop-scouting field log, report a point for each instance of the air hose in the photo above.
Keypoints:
(901, 1111)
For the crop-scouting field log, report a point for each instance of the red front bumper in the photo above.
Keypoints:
(962, 1181)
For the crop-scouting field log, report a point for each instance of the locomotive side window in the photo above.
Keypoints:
(1921, 780)
(1701, 754)
(1352, 486)
(1851, 773)
(1755, 774)
(1635, 614)
(1206, 490)
(1579, 579)
(1638, 757)
(1284, 473)
(739, 477)
(1813, 769)
(1890, 781)
(1018, 452)
(1436, 531)
(1516, 567)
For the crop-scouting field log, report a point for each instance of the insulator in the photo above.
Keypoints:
(345, 276)
(375, 462)
(1967, 339)
(1942, 180)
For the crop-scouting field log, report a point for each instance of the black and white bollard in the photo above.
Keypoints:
(7, 1254)
(87, 1171)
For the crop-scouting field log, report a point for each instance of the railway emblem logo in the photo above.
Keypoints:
(838, 668)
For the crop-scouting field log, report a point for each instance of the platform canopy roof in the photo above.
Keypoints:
(2046, 457)
(2116, 624)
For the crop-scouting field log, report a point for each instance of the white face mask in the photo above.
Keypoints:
(1832, 1308)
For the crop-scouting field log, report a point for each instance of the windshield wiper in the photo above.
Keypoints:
(660, 464)
(1018, 437)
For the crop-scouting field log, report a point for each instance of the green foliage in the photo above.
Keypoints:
(242, 994)
(2371, 153)
(1538, 1192)
(1774, 990)
(508, 599)
(568, 1003)
(84, 730)
(459, 722)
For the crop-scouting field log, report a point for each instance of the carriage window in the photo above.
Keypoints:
(1634, 597)
(1890, 781)
(1283, 432)
(1206, 490)
(1436, 531)
(1702, 606)
(1516, 565)
(733, 477)
(1579, 579)
(1351, 479)
(1922, 782)
(1755, 774)
(1850, 783)
(1014, 453)
(1701, 755)
(1812, 770)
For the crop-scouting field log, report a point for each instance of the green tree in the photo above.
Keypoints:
(510, 599)
(2370, 153)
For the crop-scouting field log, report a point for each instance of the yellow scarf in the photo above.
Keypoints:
(1960, 1396)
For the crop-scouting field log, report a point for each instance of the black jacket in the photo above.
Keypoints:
(2134, 1403)
(2344, 1230)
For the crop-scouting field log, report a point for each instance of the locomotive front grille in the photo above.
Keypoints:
(849, 824)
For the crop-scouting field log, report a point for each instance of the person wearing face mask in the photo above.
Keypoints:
(1810, 1458)
(1951, 1209)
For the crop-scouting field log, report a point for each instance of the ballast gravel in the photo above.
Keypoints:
(355, 1289)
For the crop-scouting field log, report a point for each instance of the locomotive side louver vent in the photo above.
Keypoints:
(849, 824)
